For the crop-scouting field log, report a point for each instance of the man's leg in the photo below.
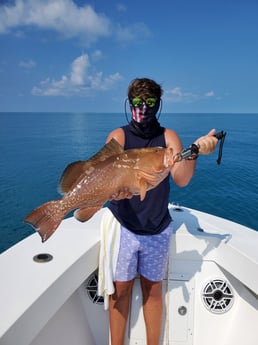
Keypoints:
(152, 309)
(119, 304)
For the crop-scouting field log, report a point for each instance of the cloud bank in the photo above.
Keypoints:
(178, 95)
(68, 19)
(80, 81)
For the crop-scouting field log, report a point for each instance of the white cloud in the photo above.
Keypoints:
(79, 68)
(97, 54)
(27, 64)
(178, 95)
(81, 81)
(63, 16)
(210, 94)
(134, 33)
(176, 91)
(121, 7)
(68, 19)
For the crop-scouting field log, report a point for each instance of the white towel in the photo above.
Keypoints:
(109, 248)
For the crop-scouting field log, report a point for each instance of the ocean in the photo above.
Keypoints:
(36, 147)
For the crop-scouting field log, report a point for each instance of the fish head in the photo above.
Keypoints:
(153, 167)
(154, 160)
(150, 159)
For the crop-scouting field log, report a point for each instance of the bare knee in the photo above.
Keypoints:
(151, 289)
(122, 289)
(120, 299)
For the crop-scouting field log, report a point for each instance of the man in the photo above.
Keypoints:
(146, 225)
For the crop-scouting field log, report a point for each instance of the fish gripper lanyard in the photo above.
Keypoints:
(192, 152)
(220, 136)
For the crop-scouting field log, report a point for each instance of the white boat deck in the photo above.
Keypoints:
(29, 286)
(203, 247)
(230, 245)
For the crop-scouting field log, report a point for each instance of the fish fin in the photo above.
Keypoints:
(71, 173)
(111, 148)
(74, 170)
(151, 178)
(45, 219)
(143, 188)
(84, 214)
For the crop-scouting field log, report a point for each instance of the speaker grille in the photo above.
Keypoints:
(217, 296)
(92, 288)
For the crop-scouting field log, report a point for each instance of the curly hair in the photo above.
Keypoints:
(144, 88)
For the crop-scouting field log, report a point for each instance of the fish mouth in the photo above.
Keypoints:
(168, 157)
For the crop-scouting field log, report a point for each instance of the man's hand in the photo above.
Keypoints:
(207, 143)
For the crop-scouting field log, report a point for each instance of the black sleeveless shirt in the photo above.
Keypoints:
(150, 216)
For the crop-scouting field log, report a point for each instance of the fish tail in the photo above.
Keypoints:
(46, 218)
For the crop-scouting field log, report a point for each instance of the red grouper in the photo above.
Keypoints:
(87, 185)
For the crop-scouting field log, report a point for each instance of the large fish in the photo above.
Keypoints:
(88, 185)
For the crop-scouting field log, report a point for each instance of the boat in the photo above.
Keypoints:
(48, 291)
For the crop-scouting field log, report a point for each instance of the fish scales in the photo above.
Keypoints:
(88, 185)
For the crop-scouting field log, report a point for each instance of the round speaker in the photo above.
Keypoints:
(91, 287)
(217, 296)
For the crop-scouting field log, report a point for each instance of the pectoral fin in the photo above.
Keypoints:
(84, 214)
(143, 188)
(149, 177)
(148, 181)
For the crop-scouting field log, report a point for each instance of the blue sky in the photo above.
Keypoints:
(79, 56)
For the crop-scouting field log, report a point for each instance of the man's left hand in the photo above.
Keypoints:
(207, 143)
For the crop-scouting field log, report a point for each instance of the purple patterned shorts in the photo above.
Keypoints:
(143, 254)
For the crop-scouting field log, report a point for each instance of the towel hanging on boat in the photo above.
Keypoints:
(109, 248)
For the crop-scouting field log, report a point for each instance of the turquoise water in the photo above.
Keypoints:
(36, 147)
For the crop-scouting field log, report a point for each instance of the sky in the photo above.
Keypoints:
(80, 56)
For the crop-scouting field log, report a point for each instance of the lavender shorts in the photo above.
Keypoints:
(146, 255)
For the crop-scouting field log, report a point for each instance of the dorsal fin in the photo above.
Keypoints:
(74, 170)
(108, 150)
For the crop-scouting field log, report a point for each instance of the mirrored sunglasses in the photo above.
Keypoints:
(138, 102)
